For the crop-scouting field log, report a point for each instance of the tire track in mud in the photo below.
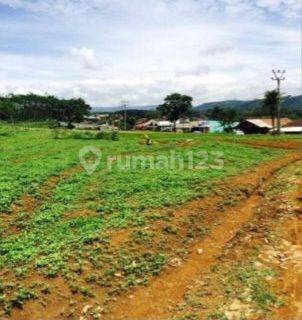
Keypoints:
(155, 300)
(292, 271)
(167, 289)
(268, 242)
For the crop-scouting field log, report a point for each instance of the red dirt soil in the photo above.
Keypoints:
(291, 284)
(168, 289)
(291, 145)
(29, 204)
(154, 300)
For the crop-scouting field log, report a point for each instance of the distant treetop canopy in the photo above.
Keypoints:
(33, 107)
(176, 106)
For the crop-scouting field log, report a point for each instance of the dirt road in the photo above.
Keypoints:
(160, 298)
(245, 265)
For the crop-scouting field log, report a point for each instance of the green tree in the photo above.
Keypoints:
(8, 110)
(176, 106)
(215, 113)
(227, 117)
(32, 107)
(270, 104)
(73, 110)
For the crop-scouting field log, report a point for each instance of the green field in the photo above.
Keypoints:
(67, 233)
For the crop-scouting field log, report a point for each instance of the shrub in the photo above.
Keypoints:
(85, 135)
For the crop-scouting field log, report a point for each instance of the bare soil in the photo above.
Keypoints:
(242, 216)
(289, 145)
(165, 291)
(28, 203)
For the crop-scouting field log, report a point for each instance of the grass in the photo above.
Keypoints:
(85, 135)
(255, 280)
(56, 237)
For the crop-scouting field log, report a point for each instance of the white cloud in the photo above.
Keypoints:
(289, 8)
(109, 50)
(86, 56)
(186, 7)
(217, 49)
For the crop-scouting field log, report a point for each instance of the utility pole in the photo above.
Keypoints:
(124, 105)
(278, 76)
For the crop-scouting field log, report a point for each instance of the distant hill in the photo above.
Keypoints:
(242, 105)
(115, 109)
(289, 102)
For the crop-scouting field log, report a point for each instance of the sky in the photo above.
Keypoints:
(107, 51)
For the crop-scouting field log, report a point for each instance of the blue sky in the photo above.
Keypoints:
(111, 50)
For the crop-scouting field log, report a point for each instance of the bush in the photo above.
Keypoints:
(5, 133)
(114, 136)
(85, 135)
(52, 124)
(70, 126)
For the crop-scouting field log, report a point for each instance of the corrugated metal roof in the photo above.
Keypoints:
(164, 123)
(260, 123)
(267, 122)
(291, 129)
(295, 123)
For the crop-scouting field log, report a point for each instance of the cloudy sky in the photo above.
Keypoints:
(141, 50)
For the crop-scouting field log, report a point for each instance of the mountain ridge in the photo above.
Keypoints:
(292, 102)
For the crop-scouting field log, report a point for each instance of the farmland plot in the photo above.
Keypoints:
(102, 243)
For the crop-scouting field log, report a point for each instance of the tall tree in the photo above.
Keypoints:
(176, 106)
(8, 110)
(215, 113)
(34, 107)
(227, 117)
(74, 110)
(270, 104)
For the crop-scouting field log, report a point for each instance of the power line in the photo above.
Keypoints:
(278, 76)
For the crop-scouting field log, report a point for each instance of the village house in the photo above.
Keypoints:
(164, 126)
(293, 127)
(262, 126)
(154, 125)
(141, 124)
(200, 126)
(92, 122)
(182, 125)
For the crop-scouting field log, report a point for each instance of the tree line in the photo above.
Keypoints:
(177, 105)
(33, 107)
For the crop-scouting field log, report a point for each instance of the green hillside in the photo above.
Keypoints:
(288, 102)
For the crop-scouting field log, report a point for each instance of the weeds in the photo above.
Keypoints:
(21, 296)
(85, 135)
(142, 236)
(49, 239)
(255, 281)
